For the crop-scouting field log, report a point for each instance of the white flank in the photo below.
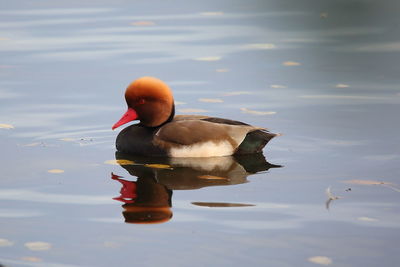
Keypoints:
(206, 149)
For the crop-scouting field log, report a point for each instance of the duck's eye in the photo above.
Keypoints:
(141, 101)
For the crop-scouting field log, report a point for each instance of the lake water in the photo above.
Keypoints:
(324, 74)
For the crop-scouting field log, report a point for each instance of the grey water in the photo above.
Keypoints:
(323, 74)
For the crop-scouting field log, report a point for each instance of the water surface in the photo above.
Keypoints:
(324, 74)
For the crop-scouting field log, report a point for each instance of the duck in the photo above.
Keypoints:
(161, 133)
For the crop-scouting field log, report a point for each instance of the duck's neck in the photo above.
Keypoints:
(170, 118)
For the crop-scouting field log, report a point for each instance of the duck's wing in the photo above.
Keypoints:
(201, 138)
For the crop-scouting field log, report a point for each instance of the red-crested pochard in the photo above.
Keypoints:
(161, 133)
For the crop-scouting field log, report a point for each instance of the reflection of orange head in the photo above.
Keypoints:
(146, 215)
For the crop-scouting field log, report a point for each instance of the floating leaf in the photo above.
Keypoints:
(260, 46)
(365, 182)
(158, 166)
(5, 242)
(212, 177)
(320, 260)
(278, 86)
(34, 144)
(367, 219)
(216, 58)
(143, 23)
(192, 110)
(342, 85)
(177, 103)
(55, 171)
(254, 112)
(214, 13)
(6, 126)
(222, 70)
(238, 93)
(67, 139)
(38, 246)
(291, 63)
(119, 162)
(211, 100)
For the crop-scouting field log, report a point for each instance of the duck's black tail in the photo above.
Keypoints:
(255, 141)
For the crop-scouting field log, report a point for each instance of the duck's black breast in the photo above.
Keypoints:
(138, 140)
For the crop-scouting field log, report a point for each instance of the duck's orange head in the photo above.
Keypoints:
(150, 101)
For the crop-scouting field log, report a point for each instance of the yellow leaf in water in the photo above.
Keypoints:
(216, 58)
(278, 86)
(55, 171)
(6, 126)
(237, 93)
(31, 259)
(143, 23)
(177, 103)
(119, 162)
(260, 46)
(214, 13)
(364, 182)
(33, 144)
(38, 246)
(322, 260)
(158, 166)
(211, 100)
(254, 112)
(212, 177)
(67, 139)
(5, 243)
(291, 63)
(367, 219)
(342, 85)
(222, 70)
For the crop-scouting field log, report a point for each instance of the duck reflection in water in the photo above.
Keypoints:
(148, 199)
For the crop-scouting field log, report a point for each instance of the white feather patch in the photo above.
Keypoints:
(206, 149)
